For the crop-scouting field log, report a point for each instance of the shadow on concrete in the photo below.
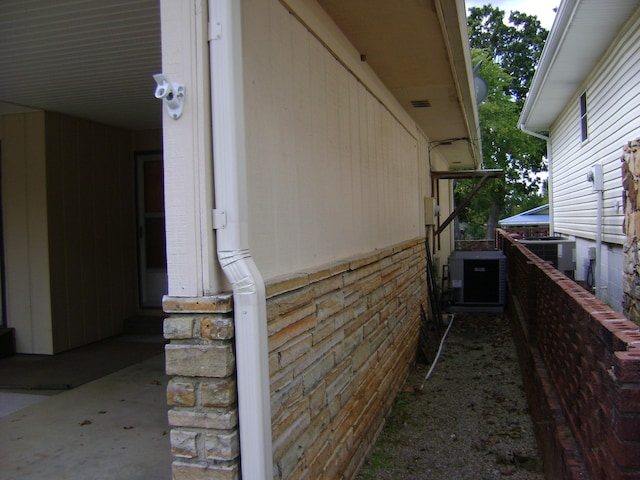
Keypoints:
(97, 412)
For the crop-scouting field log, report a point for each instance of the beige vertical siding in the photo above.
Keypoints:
(332, 171)
(430, 160)
(69, 227)
(24, 208)
(147, 140)
(92, 236)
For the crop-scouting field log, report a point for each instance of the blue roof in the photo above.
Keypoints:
(535, 216)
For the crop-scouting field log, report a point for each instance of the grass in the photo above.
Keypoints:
(379, 458)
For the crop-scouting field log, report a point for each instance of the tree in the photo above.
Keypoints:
(509, 54)
(516, 46)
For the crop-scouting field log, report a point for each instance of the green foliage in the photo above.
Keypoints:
(508, 54)
(515, 46)
(394, 429)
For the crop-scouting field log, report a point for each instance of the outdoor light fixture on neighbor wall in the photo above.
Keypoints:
(171, 94)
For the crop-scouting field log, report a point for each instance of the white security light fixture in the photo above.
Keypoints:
(171, 94)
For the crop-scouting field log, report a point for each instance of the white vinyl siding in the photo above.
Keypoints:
(614, 119)
(332, 171)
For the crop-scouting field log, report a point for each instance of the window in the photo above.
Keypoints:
(583, 116)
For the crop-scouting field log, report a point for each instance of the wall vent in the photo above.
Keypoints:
(420, 103)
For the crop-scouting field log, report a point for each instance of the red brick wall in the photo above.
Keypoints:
(581, 363)
(529, 232)
(475, 245)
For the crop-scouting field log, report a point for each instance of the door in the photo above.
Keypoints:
(152, 257)
(3, 309)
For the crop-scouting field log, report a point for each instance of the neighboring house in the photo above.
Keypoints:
(529, 224)
(297, 186)
(584, 96)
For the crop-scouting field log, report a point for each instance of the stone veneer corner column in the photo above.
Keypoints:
(201, 394)
(631, 206)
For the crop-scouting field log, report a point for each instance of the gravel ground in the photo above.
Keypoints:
(469, 421)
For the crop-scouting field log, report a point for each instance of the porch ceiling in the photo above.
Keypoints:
(88, 58)
(94, 59)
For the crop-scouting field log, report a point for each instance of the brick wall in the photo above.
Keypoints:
(581, 366)
(341, 341)
(528, 231)
(475, 245)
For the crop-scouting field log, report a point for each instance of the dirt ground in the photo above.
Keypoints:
(469, 420)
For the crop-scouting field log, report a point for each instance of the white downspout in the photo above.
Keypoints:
(549, 182)
(230, 181)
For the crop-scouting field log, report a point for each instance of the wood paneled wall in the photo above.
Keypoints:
(92, 232)
(68, 199)
(24, 208)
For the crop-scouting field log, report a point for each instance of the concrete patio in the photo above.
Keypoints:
(114, 427)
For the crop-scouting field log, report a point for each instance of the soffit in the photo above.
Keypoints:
(419, 49)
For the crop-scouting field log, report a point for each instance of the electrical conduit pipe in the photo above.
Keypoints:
(250, 310)
(597, 177)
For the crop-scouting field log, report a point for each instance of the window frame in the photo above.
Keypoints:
(584, 117)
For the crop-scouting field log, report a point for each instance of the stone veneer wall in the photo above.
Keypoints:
(631, 203)
(580, 363)
(341, 341)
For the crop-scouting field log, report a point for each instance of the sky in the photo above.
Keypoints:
(543, 9)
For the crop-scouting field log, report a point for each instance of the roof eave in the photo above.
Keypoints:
(420, 52)
(552, 46)
(454, 24)
(571, 52)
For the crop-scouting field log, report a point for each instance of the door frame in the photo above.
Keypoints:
(3, 293)
(146, 297)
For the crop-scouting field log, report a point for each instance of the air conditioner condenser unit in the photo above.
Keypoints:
(560, 251)
(478, 280)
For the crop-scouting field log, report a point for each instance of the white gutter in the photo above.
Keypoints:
(231, 220)
(452, 17)
(549, 182)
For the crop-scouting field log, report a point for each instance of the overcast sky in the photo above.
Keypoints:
(543, 9)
